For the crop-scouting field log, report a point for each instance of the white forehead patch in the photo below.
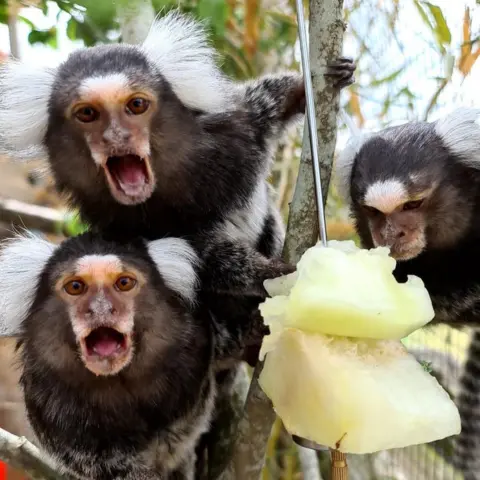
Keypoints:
(104, 84)
(98, 266)
(386, 195)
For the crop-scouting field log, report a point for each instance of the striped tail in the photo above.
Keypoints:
(466, 456)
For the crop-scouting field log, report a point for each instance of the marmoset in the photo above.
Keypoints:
(117, 374)
(415, 188)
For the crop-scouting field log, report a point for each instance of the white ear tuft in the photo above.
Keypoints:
(344, 165)
(176, 261)
(24, 95)
(178, 47)
(460, 133)
(22, 261)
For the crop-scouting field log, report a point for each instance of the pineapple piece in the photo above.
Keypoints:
(347, 291)
(358, 396)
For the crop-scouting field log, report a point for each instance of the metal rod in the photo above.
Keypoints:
(312, 124)
(311, 119)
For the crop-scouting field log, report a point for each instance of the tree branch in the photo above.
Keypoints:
(433, 101)
(23, 455)
(326, 38)
(229, 410)
(12, 15)
(33, 217)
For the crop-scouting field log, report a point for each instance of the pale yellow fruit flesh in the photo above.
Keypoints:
(353, 395)
(346, 291)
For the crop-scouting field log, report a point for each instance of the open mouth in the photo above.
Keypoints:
(130, 178)
(106, 350)
(105, 342)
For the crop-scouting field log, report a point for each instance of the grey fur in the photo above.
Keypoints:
(444, 156)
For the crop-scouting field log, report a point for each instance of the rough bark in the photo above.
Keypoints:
(326, 38)
(229, 410)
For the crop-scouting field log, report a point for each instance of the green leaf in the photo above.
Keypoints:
(85, 33)
(441, 28)
(27, 21)
(47, 37)
(74, 225)
(4, 14)
(99, 14)
(386, 106)
(72, 29)
(216, 13)
(408, 93)
(423, 15)
(388, 78)
(53, 39)
(65, 6)
(44, 7)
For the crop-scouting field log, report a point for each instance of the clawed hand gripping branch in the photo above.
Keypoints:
(124, 162)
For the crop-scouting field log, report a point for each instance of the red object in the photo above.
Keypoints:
(3, 471)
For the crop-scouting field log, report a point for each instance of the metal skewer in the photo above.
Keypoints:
(311, 119)
(312, 127)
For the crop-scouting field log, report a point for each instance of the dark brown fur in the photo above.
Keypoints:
(142, 423)
(449, 265)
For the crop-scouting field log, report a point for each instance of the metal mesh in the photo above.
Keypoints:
(445, 348)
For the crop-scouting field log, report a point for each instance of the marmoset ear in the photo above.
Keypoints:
(176, 261)
(460, 133)
(25, 91)
(22, 261)
(178, 46)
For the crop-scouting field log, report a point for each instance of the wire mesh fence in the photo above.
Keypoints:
(445, 349)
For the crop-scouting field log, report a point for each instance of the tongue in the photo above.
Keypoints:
(104, 344)
(130, 170)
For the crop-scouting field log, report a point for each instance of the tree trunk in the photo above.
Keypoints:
(326, 39)
(12, 11)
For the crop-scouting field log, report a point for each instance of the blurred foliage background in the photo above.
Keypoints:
(416, 60)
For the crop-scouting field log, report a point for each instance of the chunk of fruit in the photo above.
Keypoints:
(347, 291)
(358, 396)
